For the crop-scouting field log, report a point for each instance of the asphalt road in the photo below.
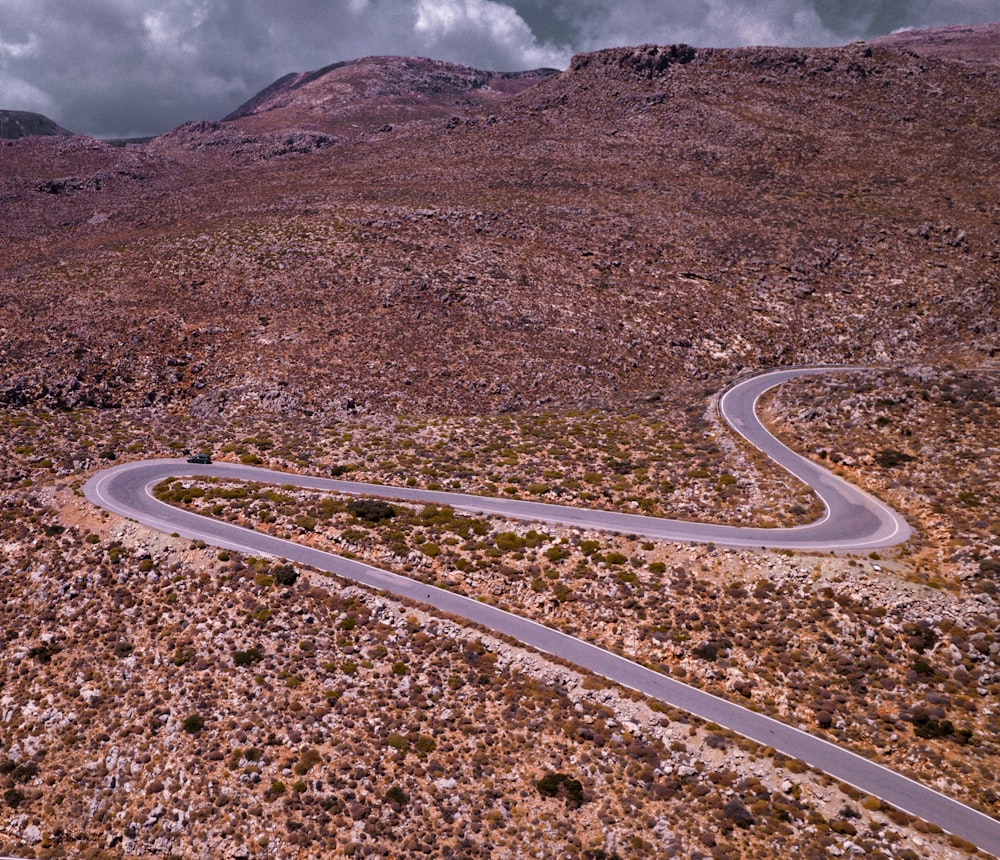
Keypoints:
(853, 521)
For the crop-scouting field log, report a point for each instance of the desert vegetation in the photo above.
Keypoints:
(875, 661)
(924, 440)
(222, 686)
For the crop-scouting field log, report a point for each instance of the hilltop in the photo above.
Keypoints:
(971, 44)
(377, 91)
(15, 124)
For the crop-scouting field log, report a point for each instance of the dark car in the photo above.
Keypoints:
(200, 459)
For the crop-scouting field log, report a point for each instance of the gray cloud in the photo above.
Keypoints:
(132, 67)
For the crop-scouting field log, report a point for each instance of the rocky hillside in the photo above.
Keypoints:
(316, 283)
(653, 219)
(16, 124)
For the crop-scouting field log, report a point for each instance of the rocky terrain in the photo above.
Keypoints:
(718, 611)
(411, 272)
(162, 698)
(649, 220)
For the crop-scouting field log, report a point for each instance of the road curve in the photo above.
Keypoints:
(853, 520)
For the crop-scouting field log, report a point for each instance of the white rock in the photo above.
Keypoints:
(91, 695)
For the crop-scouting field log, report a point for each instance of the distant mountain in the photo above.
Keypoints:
(972, 44)
(19, 123)
(377, 91)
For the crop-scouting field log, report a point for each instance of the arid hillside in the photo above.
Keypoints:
(652, 218)
(406, 272)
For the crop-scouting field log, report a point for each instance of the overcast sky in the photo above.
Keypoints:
(137, 67)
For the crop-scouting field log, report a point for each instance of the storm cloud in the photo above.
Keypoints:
(118, 68)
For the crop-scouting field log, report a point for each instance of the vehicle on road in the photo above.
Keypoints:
(200, 459)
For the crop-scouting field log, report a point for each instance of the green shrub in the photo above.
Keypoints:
(509, 541)
(193, 724)
(307, 761)
(396, 796)
(889, 458)
(425, 744)
(285, 574)
(248, 657)
(556, 554)
(561, 785)
(371, 510)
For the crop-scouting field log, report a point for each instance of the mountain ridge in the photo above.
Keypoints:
(376, 91)
(978, 43)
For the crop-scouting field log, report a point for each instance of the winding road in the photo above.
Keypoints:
(852, 521)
